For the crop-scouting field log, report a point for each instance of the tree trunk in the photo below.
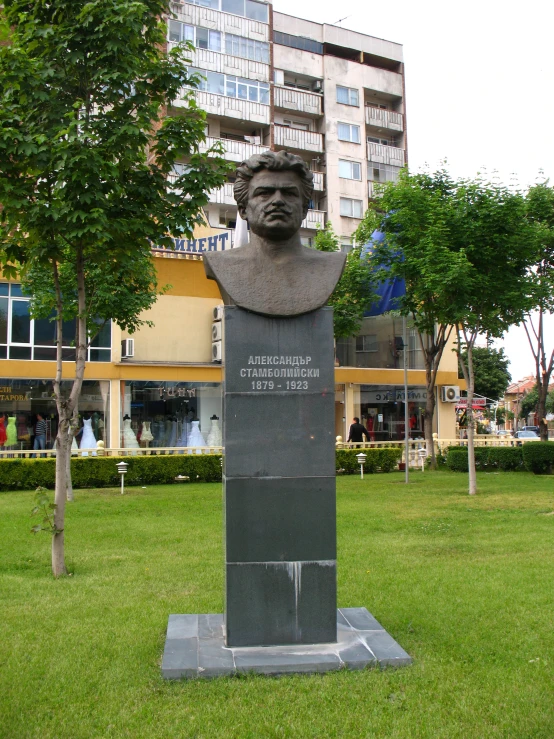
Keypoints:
(68, 480)
(63, 450)
(433, 348)
(469, 376)
(430, 405)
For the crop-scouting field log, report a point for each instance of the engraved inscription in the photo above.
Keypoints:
(287, 372)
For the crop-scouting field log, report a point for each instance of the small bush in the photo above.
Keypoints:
(486, 458)
(538, 457)
(384, 459)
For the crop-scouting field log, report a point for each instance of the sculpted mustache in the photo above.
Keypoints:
(269, 211)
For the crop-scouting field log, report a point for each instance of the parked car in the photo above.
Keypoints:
(531, 428)
(527, 435)
(503, 432)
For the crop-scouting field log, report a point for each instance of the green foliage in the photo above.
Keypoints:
(529, 403)
(492, 376)
(87, 472)
(44, 508)
(487, 459)
(378, 458)
(86, 150)
(539, 457)
(354, 292)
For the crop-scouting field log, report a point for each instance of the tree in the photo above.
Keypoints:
(354, 293)
(450, 240)
(540, 212)
(85, 153)
(492, 376)
(529, 403)
(413, 214)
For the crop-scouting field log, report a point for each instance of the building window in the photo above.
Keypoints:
(247, 8)
(367, 343)
(298, 42)
(179, 32)
(207, 39)
(378, 172)
(350, 170)
(351, 208)
(246, 48)
(233, 87)
(214, 4)
(22, 337)
(383, 142)
(349, 132)
(347, 95)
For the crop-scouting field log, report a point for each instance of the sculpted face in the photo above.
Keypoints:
(275, 210)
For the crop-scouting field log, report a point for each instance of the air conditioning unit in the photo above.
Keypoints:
(127, 348)
(218, 313)
(450, 393)
(217, 352)
(217, 331)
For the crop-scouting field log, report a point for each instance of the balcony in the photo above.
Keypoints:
(296, 138)
(385, 154)
(315, 219)
(223, 195)
(319, 181)
(384, 118)
(226, 107)
(215, 61)
(196, 15)
(287, 98)
(235, 151)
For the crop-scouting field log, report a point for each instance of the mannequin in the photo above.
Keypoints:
(129, 438)
(214, 437)
(88, 440)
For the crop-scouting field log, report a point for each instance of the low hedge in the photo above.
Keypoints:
(100, 472)
(539, 457)
(378, 458)
(487, 458)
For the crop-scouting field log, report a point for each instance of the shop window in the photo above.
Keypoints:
(22, 399)
(381, 410)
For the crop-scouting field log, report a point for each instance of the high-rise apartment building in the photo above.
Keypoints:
(272, 81)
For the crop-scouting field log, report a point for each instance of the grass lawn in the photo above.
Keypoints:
(466, 585)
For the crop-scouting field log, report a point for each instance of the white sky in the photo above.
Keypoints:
(479, 88)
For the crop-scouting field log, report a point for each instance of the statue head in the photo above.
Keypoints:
(273, 191)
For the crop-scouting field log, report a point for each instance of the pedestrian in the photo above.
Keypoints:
(357, 431)
(40, 433)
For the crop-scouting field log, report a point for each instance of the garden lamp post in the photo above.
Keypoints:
(361, 457)
(122, 469)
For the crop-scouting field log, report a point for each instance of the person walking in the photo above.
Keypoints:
(357, 431)
(40, 433)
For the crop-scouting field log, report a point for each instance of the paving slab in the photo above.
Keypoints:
(195, 648)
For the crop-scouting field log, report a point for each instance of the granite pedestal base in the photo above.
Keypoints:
(195, 647)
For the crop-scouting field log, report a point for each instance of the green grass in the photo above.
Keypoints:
(466, 585)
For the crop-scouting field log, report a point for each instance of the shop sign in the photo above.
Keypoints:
(214, 242)
(7, 394)
(393, 396)
(177, 392)
(477, 403)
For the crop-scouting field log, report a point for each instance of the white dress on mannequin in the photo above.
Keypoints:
(88, 440)
(129, 438)
(195, 438)
(146, 433)
(214, 437)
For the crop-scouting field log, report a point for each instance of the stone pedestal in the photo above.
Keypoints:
(279, 479)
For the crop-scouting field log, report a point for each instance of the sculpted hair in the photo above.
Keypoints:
(274, 161)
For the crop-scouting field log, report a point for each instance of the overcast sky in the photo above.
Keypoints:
(479, 88)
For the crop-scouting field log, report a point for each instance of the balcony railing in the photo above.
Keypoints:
(215, 61)
(314, 219)
(227, 107)
(385, 154)
(288, 98)
(223, 195)
(319, 181)
(296, 138)
(384, 118)
(196, 15)
(235, 151)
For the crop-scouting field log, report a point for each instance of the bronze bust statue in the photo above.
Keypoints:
(274, 275)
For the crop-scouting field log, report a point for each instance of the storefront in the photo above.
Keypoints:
(380, 409)
(22, 399)
(170, 414)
